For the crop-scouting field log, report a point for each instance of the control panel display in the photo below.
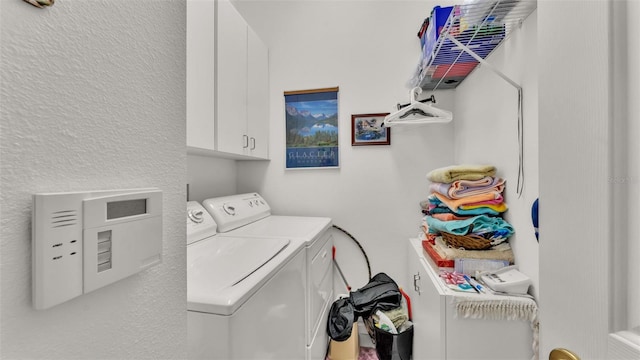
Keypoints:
(126, 208)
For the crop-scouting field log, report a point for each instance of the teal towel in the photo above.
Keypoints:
(481, 225)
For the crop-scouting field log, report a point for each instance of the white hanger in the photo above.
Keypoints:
(418, 113)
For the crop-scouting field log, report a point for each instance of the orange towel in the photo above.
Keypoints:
(502, 207)
(453, 204)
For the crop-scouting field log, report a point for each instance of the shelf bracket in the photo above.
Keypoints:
(488, 65)
(483, 61)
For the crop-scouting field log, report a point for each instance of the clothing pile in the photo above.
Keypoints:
(386, 313)
(466, 200)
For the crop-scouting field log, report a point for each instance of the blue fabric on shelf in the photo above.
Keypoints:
(534, 217)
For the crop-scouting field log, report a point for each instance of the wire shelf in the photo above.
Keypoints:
(481, 26)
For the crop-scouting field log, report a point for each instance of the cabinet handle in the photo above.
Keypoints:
(416, 287)
(245, 141)
(253, 143)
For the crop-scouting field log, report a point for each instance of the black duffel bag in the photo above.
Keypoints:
(380, 293)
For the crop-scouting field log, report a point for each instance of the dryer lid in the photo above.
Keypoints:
(307, 228)
(219, 271)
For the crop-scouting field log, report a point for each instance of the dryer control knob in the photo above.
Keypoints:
(229, 209)
(196, 216)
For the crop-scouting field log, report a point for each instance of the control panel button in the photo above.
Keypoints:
(196, 216)
(229, 209)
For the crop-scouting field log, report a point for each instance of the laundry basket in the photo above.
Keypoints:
(391, 346)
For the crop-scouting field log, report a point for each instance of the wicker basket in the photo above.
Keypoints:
(468, 242)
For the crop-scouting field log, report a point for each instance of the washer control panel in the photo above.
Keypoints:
(232, 212)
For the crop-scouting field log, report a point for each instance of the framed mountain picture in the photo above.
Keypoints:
(367, 129)
(312, 128)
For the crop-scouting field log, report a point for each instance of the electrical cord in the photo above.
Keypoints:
(520, 185)
(359, 246)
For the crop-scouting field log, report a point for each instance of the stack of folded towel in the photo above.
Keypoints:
(466, 199)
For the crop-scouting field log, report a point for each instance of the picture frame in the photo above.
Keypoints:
(367, 129)
(312, 124)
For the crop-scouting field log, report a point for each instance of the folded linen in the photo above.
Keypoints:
(462, 188)
(479, 211)
(462, 213)
(440, 188)
(438, 207)
(480, 224)
(452, 173)
(449, 216)
(498, 200)
(453, 204)
(501, 207)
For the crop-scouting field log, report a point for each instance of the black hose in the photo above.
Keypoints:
(360, 246)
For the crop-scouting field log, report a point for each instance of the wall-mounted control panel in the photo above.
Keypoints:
(82, 241)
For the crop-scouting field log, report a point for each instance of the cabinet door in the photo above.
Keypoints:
(418, 313)
(232, 80)
(427, 308)
(258, 96)
(201, 74)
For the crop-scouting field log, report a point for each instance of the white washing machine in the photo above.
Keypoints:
(313, 231)
(246, 296)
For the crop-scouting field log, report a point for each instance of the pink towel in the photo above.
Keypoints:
(449, 217)
(440, 188)
(497, 201)
(462, 188)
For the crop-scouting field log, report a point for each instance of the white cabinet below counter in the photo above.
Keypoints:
(440, 333)
(227, 83)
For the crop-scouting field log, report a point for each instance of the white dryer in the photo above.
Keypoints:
(313, 231)
(246, 296)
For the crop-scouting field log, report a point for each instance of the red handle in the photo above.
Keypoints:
(408, 299)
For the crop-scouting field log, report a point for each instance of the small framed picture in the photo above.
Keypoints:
(367, 129)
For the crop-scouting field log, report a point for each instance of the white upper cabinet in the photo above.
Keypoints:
(258, 97)
(232, 80)
(201, 79)
(237, 79)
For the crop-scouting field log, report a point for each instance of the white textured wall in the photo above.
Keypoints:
(486, 132)
(633, 163)
(369, 49)
(93, 97)
(576, 139)
(210, 177)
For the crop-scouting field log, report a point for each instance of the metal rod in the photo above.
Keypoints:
(340, 270)
(429, 99)
(483, 61)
